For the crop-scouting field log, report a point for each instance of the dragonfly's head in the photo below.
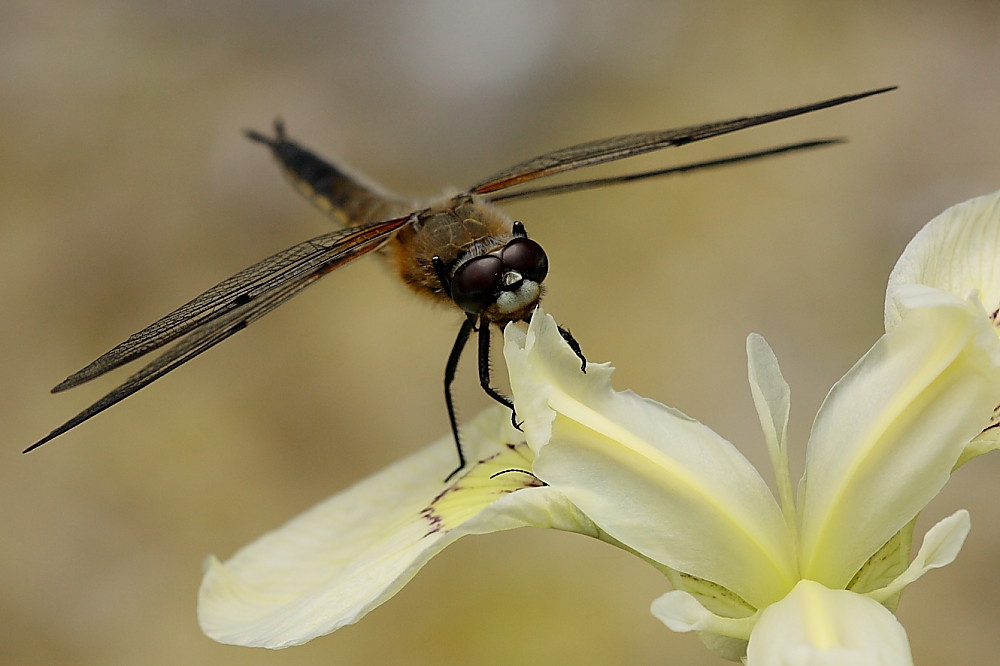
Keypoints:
(504, 284)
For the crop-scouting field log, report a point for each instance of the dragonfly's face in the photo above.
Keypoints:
(505, 284)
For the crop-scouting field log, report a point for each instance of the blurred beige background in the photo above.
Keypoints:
(126, 188)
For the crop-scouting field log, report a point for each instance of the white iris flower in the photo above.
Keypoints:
(800, 576)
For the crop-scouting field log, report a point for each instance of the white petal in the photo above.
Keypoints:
(772, 398)
(681, 612)
(725, 637)
(885, 565)
(988, 440)
(916, 296)
(957, 252)
(940, 547)
(653, 478)
(333, 564)
(539, 361)
(815, 625)
(887, 436)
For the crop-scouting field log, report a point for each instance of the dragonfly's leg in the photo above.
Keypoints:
(484, 372)
(575, 346)
(449, 377)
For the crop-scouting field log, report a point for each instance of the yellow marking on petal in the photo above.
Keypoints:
(479, 486)
(568, 407)
(947, 366)
(820, 627)
(885, 565)
(714, 597)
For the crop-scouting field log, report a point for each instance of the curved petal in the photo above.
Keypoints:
(988, 440)
(888, 434)
(814, 625)
(772, 398)
(724, 636)
(940, 548)
(957, 252)
(333, 564)
(653, 478)
(682, 612)
(885, 565)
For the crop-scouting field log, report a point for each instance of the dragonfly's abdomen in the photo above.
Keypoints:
(343, 195)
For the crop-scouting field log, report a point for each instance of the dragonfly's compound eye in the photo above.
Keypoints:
(475, 284)
(527, 258)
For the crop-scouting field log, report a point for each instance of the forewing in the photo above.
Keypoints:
(225, 309)
(629, 145)
(564, 188)
(292, 264)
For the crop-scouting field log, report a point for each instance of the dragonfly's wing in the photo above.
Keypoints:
(225, 309)
(576, 186)
(296, 263)
(629, 145)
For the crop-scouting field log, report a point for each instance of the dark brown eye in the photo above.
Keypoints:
(527, 258)
(476, 282)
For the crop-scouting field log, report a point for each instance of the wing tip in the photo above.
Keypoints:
(78, 377)
(65, 384)
(869, 93)
(43, 440)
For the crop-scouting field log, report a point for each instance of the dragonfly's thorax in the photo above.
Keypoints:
(437, 249)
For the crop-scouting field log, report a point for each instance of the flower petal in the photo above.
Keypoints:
(957, 252)
(772, 397)
(682, 612)
(815, 625)
(988, 440)
(333, 564)
(539, 361)
(885, 565)
(887, 436)
(940, 548)
(653, 478)
(725, 636)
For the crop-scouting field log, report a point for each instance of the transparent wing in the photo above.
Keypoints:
(629, 145)
(225, 309)
(576, 186)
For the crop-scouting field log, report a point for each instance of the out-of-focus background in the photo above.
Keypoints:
(126, 188)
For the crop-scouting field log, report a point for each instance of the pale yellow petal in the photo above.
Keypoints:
(817, 626)
(333, 564)
(889, 433)
(958, 251)
(651, 477)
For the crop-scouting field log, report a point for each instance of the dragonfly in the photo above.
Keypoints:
(460, 249)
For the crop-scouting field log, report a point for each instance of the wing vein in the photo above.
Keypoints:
(230, 294)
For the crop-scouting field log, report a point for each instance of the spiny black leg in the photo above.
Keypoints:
(575, 346)
(484, 372)
(449, 377)
(484, 366)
